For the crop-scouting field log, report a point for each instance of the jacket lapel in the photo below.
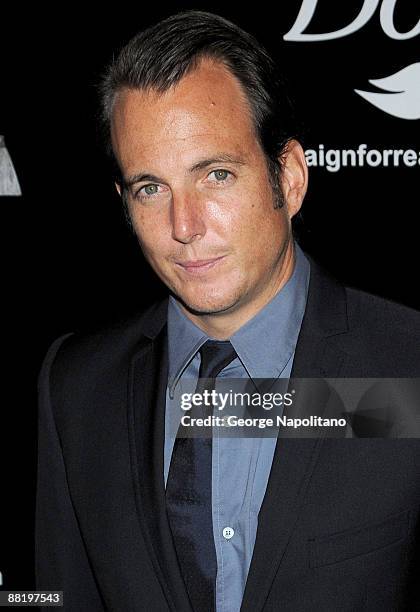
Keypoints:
(318, 351)
(146, 419)
(317, 355)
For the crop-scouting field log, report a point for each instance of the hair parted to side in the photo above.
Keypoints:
(157, 58)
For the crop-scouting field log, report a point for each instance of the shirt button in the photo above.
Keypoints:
(228, 532)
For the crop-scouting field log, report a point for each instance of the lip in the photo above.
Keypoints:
(198, 266)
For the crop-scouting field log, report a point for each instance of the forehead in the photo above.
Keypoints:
(207, 108)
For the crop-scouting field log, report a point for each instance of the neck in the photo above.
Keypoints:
(222, 325)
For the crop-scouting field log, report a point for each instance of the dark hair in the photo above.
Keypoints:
(158, 57)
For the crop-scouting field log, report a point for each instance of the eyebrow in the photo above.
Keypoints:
(200, 165)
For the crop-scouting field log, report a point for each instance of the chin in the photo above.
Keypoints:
(206, 305)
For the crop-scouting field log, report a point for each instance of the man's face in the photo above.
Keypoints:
(199, 193)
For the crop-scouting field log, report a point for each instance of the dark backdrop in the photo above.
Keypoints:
(69, 261)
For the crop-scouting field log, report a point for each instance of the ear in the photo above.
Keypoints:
(294, 176)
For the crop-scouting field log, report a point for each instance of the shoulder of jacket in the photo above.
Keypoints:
(377, 313)
(81, 352)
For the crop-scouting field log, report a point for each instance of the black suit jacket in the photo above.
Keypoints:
(339, 525)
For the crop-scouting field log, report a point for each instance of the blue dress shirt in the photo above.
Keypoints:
(265, 346)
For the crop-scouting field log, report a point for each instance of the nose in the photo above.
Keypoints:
(188, 223)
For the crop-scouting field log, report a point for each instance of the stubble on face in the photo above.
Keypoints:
(204, 115)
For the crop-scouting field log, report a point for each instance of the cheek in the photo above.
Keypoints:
(234, 213)
(261, 237)
(221, 214)
(248, 219)
(150, 234)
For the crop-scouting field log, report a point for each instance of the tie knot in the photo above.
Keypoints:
(215, 355)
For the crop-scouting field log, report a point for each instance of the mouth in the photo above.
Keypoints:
(199, 266)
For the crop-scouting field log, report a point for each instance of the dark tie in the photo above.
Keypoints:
(188, 492)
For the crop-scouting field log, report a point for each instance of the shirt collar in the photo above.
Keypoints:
(184, 340)
(264, 344)
(267, 341)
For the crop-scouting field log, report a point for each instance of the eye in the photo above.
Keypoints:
(220, 175)
(149, 191)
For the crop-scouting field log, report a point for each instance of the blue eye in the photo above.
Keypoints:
(147, 191)
(150, 189)
(221, 175)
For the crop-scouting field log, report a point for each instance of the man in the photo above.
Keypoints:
(130, 517)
